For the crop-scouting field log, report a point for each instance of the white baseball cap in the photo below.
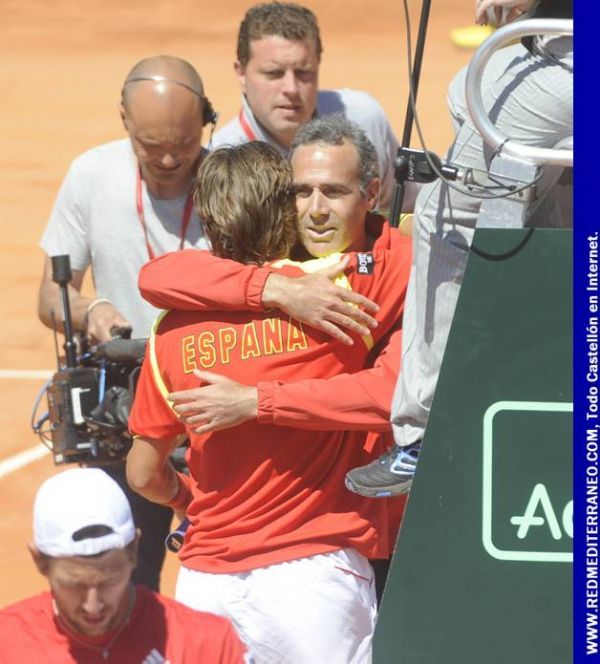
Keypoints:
(75, 500)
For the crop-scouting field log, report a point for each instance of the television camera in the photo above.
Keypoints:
(90, 395)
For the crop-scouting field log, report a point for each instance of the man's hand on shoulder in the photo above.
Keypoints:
(219, 404)
(315, 300)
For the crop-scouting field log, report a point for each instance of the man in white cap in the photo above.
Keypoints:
(85, 544)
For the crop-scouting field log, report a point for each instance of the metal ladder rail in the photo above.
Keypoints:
(491, 135)
(514, 162)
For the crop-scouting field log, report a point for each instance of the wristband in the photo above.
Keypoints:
(183, 495)
(92, 305)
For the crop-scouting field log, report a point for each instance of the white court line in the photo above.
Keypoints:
(25, 373)
(33, 453)
(22, 459)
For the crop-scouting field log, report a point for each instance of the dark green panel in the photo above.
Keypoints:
(482, 572)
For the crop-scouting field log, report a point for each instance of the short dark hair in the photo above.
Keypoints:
(280, 19)
(244, 197)
(335, 129)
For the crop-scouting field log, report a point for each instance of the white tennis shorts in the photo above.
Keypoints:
(315, 610)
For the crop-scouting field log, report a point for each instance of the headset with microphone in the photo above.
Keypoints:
(209, 115)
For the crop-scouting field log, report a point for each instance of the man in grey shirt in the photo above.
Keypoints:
(278, 57)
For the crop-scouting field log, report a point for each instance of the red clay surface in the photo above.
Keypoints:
(61, 68)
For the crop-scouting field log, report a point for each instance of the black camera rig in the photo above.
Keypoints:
(90, 395)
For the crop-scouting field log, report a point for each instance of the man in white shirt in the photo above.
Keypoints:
(121, 204)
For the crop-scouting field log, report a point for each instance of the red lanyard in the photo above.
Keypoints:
(246, 126)
(185, 218)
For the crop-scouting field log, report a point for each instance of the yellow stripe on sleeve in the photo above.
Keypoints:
(158, 379)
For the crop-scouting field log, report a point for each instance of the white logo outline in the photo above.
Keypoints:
(487, 535)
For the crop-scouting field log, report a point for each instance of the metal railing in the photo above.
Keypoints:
(491, 135)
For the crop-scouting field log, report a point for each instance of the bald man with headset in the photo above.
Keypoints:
(120, 204)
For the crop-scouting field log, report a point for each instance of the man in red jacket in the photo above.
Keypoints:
(267, 506)
(196, 280)
(85, 544)
(333, 217)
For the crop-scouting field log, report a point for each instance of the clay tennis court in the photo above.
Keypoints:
(61, 67)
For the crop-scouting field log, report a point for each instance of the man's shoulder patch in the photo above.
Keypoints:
(365, 263)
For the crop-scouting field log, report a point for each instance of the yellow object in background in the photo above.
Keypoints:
(472, 36)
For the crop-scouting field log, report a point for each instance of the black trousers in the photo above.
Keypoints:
(381, 568)
(155, 523)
